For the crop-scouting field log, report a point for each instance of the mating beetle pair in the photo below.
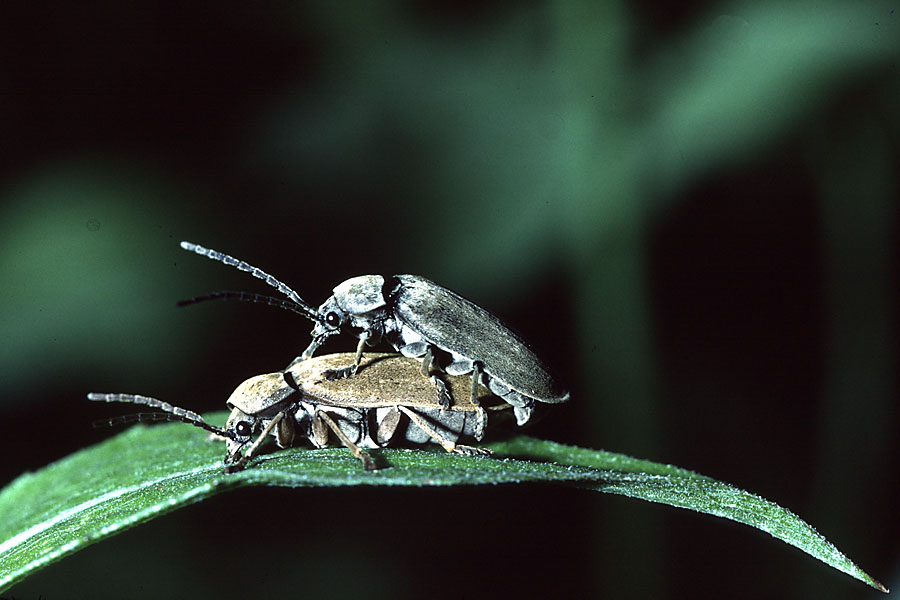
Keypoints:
(422, 320)
(387, 400)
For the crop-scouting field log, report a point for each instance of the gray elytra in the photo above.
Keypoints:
(422, 320)
(387, 402)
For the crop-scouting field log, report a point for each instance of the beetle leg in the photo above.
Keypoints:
(251, 451)
(359, 350)
(311, 349)
(426, 362)
(319, 431)
(480, 414)
(349, 370)
(324, 418)
(448, 445)
(476, 376)
(443, 394)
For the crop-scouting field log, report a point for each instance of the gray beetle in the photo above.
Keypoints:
(387, 402)
(422, 320)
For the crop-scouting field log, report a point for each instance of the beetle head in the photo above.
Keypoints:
(356, 302)
(329, 319)
(253, 404)
(241, 428)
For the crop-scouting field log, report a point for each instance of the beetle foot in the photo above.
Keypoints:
(235, 467)
(368, 463)
(443, 394)
(334, 374)
(472, 451)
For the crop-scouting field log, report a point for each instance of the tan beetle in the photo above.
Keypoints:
(387, 401)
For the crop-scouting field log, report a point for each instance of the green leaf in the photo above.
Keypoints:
(148, 471)
(667, 484)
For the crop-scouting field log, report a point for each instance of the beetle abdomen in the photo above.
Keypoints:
(458, 326)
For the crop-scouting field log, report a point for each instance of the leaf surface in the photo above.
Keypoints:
(148, 471)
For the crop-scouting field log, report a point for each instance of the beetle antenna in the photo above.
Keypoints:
(177, 413)
(255, 271)
(145, 417)
(248, 297)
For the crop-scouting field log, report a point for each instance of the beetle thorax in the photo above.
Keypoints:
(361, 295)
(259, 393)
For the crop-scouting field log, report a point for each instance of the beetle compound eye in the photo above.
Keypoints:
(243, 429)
(332, 319)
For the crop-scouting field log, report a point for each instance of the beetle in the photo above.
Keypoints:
(421, 320)
(386, 402)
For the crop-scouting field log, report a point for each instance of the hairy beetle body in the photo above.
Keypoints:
(422, 320)
(386, 403)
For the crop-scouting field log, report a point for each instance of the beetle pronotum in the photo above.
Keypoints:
(387, 401)
(422, 320)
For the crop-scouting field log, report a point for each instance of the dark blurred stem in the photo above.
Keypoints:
(858, 206)
(605, 227)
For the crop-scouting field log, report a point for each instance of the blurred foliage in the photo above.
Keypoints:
(80, 290)
(689, 209)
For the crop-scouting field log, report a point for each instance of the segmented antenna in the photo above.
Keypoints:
(178, 413)
(256, 272)
(151, 417)
(247, 297)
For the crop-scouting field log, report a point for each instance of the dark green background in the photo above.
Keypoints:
(691, 213)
